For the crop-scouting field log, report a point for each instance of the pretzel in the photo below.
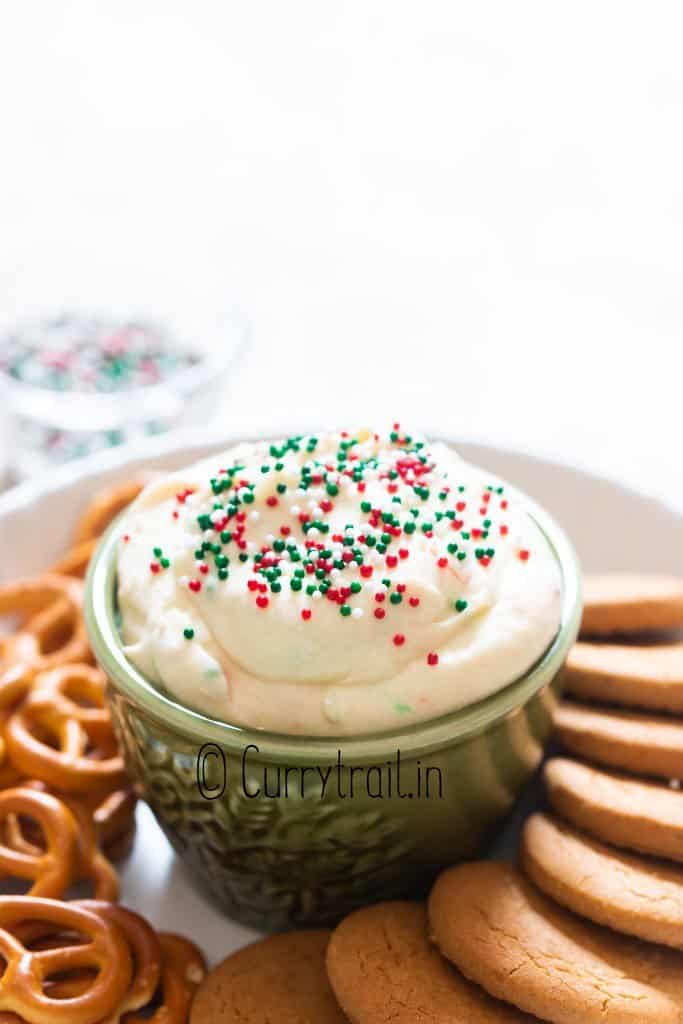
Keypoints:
(145, 947)
(104, 508)
(52, 868)
(75, 562)
(52, 631)
(76, 692)
(183, 970)
(23, 987)
(89, 862)
(74, 753)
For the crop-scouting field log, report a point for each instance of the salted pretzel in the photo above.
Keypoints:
(52, 631)
(71, 748)
(24, 986)
(52, 866)
(104, 508)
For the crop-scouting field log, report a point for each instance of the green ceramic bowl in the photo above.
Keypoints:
(284, 831)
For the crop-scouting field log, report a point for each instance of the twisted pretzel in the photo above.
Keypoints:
(104, 507)
(52, 868)
(71, 748)
(23, 984)
(76, 692)
(90, 862)
(75, 562)
(146, 950)
(183, 970)
(52, 631)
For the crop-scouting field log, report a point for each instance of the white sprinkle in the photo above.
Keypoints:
(270, 538)
(335, 573)
(255, 515)
(183, 581)
(314, 532)
(357, 613)
(353, 564)
(295, 510)
(316, 595)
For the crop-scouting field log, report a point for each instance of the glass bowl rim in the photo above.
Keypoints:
(413, 739)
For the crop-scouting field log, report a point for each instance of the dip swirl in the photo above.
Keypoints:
(335, 584)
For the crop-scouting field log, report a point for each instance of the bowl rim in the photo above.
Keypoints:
(414, 739)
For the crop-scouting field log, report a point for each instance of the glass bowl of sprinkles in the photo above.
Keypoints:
(77, 382)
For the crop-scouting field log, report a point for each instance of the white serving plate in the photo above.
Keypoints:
(611, 527)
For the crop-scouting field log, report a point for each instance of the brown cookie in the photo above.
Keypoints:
(508, 937)
(281, 978)
(642, 816)
(639, 743)
(633, 895)
(384, 970)
(638, 677)
(631, 603)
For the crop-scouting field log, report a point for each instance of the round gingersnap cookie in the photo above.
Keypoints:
(384, 970)
(281, 978)
(502, 933)
(640, 743)
(638, 677)
(631, 603)
(642, 816)
(631, 894)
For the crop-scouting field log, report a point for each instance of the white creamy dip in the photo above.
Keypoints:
(333, 585)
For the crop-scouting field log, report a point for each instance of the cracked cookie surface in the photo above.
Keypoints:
(518, 945)
(384, 970)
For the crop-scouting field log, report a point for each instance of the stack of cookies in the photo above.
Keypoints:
(589, 930)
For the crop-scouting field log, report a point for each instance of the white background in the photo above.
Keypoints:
(468, 216)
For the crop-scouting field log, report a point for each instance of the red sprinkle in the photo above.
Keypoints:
(366, 571)
(403, 552)
(305, 614)
(401, 587)
(524, 555)
(432, 658)
(154, 567)
(379, 613)
(271, 501)
(392, 561)
(203, 568)
(413, 602)
(399, 639)
(380, 596)
(503, 530)
(195, 586)
(503, 504)
(285, 531)
(461, 506)
(252, 584)
(126, 538)
(442, 563)
(262, 601)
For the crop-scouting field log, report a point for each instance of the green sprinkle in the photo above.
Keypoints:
(188, 633)
(396, 598)
(345, 609)
(460, 605)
